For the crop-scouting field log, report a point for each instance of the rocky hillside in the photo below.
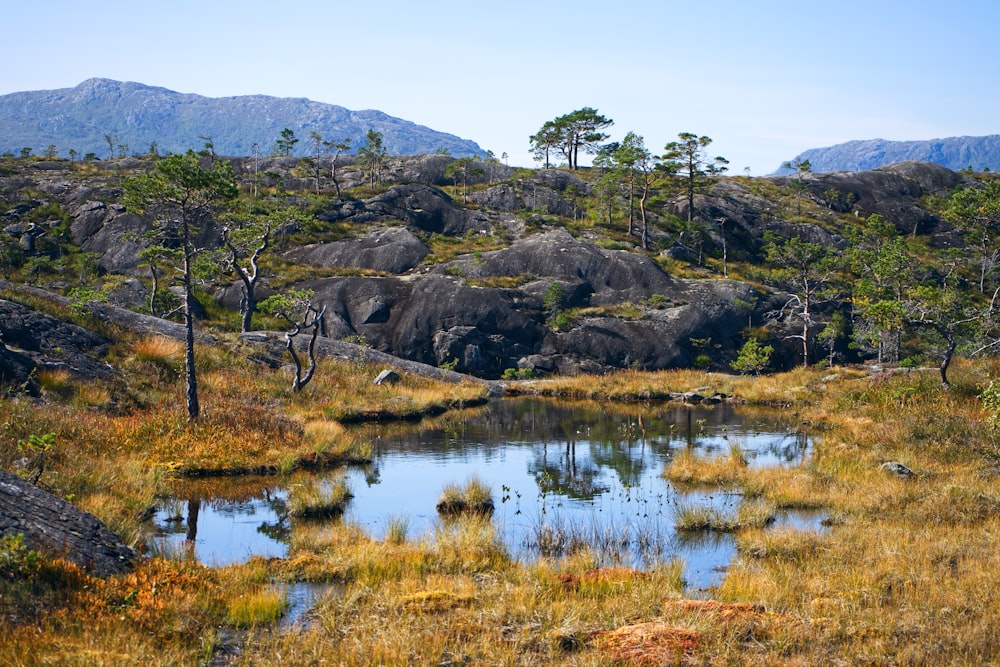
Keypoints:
(136, 116)
(513, 271)
(976, 153)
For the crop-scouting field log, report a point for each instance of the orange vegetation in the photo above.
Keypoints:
(650, 643)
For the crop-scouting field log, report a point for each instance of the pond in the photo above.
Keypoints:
(561, 474)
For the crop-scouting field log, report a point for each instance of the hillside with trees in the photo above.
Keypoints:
(640, 261)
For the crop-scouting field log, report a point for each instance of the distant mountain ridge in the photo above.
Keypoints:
(137, 115)
(955, 153)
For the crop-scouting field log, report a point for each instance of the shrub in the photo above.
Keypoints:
(518, 374)
(753, 357)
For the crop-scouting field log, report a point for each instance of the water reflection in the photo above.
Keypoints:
(563, 474)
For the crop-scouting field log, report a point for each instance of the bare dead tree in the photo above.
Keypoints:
(283, 305)
(312, 320)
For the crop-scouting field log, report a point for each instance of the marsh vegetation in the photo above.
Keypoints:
(900, 555)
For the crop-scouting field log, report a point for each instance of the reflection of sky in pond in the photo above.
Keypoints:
(560, 472)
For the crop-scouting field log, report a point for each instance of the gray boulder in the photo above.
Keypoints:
(16, 372)
(434, 320)
(437, 319)
(549, 190)
(52, 343)
(892, 192)
(88, 218)
(932, 178)
(612, 275)
(118, 243)
(49, 523)
(387, 376)
(531, 195)
(897, 469)
(388, 250)
(130, 293)
(662, 338)
(416, 205)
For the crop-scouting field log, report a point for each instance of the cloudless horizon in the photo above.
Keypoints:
(766, 81)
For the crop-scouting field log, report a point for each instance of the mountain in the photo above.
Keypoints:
(955, 153)
(138, 115)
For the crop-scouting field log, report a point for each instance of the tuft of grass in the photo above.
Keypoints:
(323, 434)
(750, 514)
(311, 498)
(501, 282)
(396, 530)
(791, 488)
(56, 381)
(470, 544)
(263, 606)
(474, 496)
(435, 601)
(784, 543)
(93, 395)
(690, 469)
(159, 350)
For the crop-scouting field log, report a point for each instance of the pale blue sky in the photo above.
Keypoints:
(766, 79)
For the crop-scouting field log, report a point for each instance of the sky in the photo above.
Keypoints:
(765, 80)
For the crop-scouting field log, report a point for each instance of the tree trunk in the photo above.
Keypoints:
(805, 327)
(949, 352)
(153, 291)
(642, 213)
(333, 177)
(690, 188)
(631, 198)
(247, 308)
(191, 397)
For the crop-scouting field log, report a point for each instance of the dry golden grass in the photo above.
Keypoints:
(93, 395)
(312, 498)
(323, 433)
(799, 388)
(261, 605)
(627, 385)
(647, 644)
(159, 351)
(907, 575)
(690, 469)
(56, 381)
(472, 496)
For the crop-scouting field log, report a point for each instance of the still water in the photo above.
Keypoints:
(562, 474)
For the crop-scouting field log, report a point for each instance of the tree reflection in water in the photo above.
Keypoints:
(563, 474)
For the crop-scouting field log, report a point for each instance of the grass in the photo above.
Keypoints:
(750, 514)
(796, 389)
(263, 606)
(312, 499)
(159, 350)
(689, 469)
(396, 530)
(907, 575)
(120, 444)
(502, 282)
(473, 496)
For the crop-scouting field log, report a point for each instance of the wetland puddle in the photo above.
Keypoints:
(562, 474)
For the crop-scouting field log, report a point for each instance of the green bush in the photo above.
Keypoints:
(753, 357)
(518, 374)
